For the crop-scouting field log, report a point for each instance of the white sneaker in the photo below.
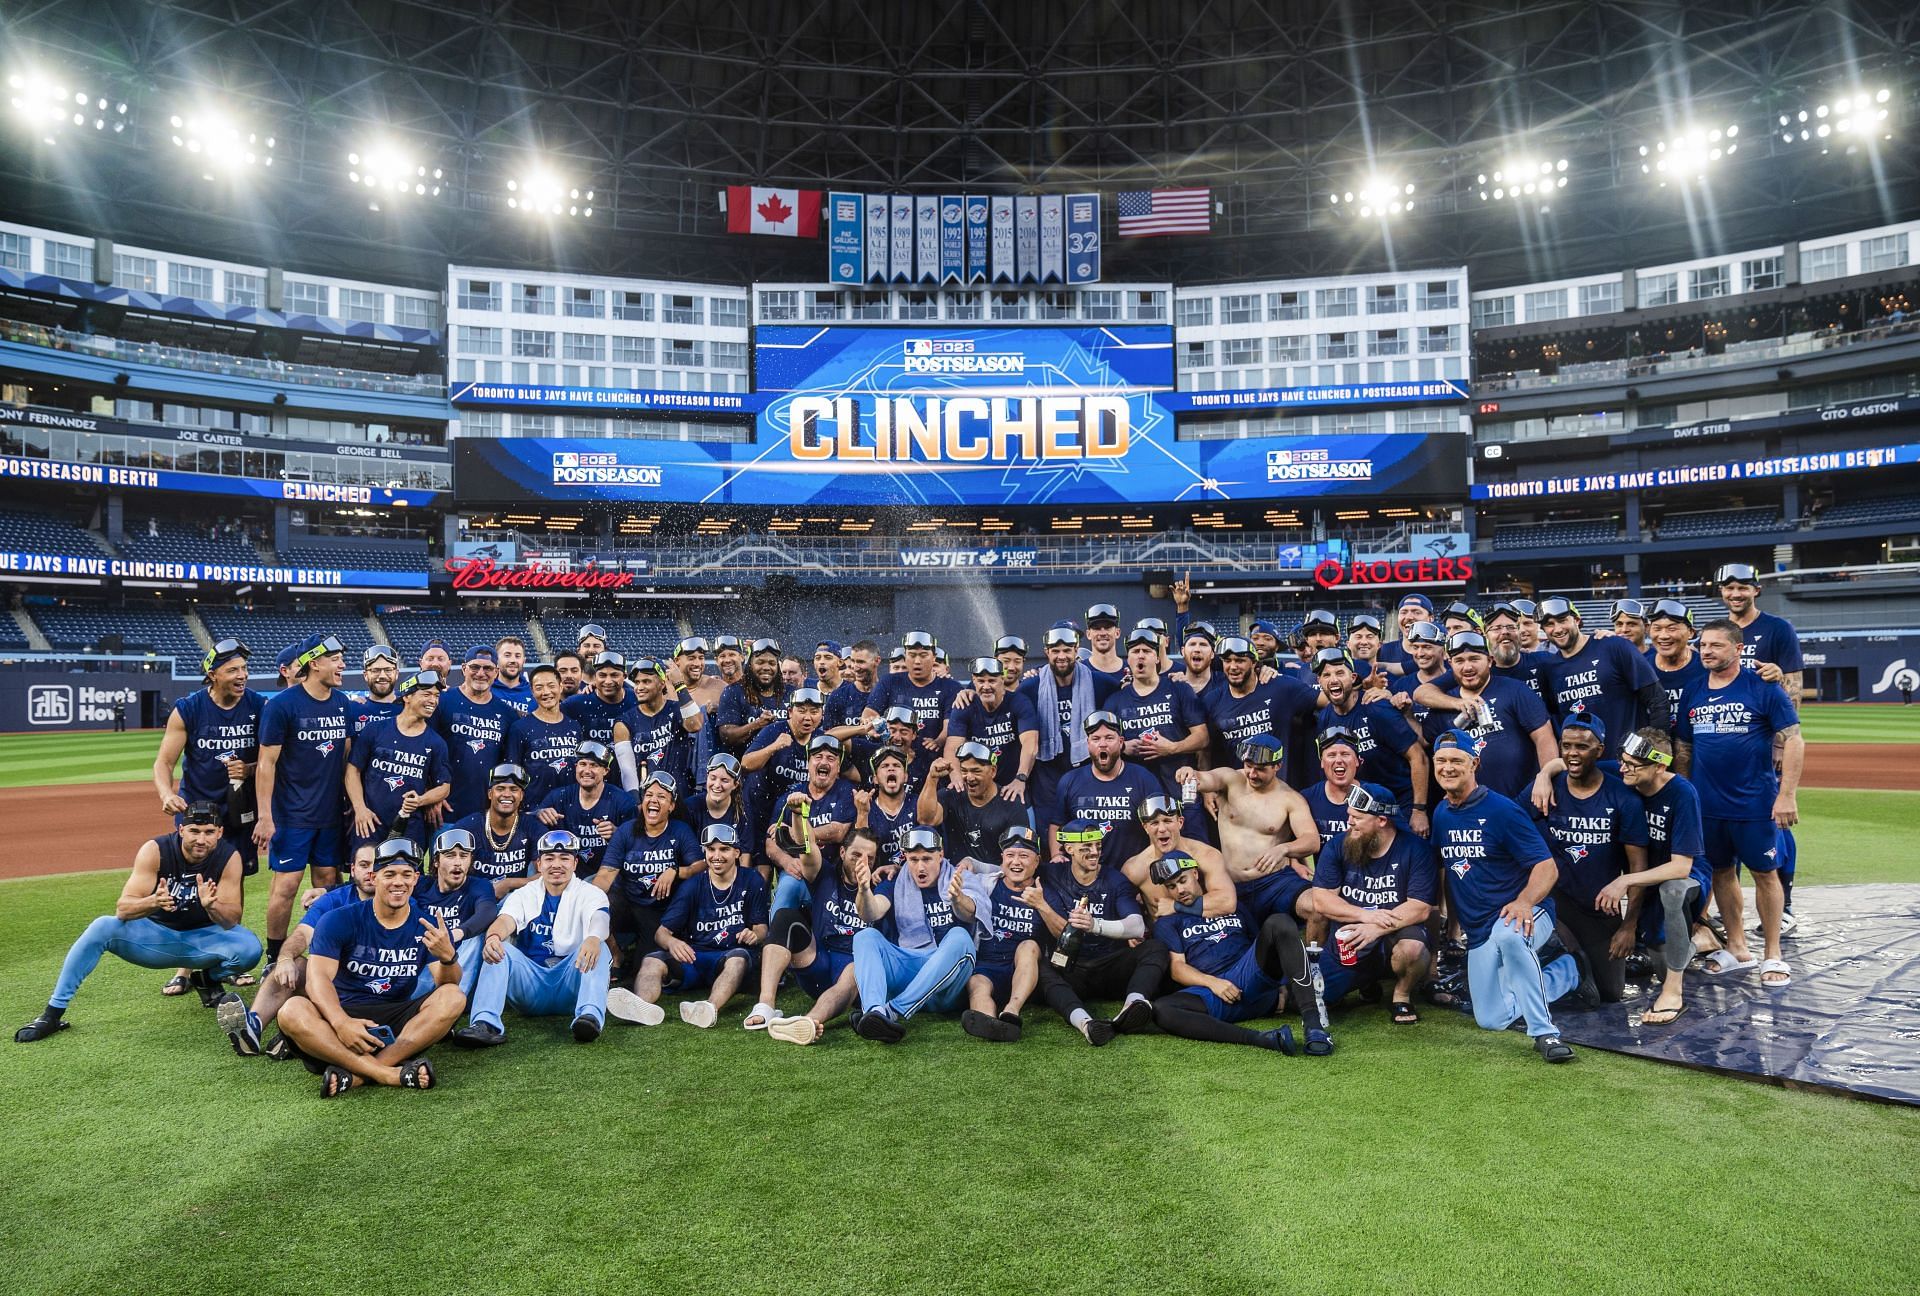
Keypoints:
(762, 1016)
(698, 1012)
(795, 1030)
(630, 1007)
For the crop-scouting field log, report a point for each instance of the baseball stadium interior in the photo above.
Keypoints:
(418, 324)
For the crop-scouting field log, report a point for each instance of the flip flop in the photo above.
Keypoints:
(1779, 968)
(245, 979)
(1403, 1013)
(1720, 962)
(177, 986)
(1672, 1014)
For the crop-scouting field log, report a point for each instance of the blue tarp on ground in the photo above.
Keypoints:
(1850, 1021)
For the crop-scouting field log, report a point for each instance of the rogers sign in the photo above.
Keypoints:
(1334, 574)
(485, 573)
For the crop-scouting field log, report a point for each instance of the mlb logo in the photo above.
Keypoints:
(920, 346)
(1280, 457)
(566, 459)
(50, 704)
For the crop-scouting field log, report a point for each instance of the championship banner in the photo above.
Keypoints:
(953, 239)
(1001, 416)
(1083, 238)
(901, 216)
(879, 237)
(1003, 269)
(1026, 237)
(1053, 239)
(977, 207)
(846, 233)
(926, 239)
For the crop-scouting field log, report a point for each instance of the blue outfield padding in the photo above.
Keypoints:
(1849, 1023)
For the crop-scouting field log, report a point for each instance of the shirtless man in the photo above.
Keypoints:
(1267, 834)
(1162, 818)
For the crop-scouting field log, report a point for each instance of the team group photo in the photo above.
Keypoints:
(1073, 648)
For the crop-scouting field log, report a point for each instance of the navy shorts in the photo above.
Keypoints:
(1734, 842)
(824, 972)
(1338, 980)
(1000, 978)
(1259, 993)
(1276, 893)
(293, 849)
(706, 965)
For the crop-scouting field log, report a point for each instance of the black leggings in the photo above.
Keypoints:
(1139, 969)
(1186, 1015)
(790, 927)
(1592, 929)
(633, 926)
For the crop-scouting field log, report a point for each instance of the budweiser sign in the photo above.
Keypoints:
(485, 573)
(1334, 574)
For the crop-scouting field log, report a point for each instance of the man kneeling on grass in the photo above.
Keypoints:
(546, 953)
(707, 939)
(179, 908)
(358, 1022)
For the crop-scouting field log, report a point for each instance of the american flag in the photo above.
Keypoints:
(1166, 211)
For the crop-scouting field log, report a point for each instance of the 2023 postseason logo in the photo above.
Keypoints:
(580, 468)
(1315, 465)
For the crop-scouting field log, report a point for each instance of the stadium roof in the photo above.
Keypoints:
(1275, 106)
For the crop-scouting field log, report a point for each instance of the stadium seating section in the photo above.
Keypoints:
(177, 542)
(140, 630)
(267, 632)
(30, 531)
(655, 635)
(1740, 521)
(357, 557)
(1899, 508)
(409, 631)
(1551, 535)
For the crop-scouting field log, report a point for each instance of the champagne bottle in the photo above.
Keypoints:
(1069, 941)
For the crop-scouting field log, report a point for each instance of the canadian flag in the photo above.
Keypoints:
(794, 213)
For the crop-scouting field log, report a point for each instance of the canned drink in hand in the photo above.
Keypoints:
(1189, 791)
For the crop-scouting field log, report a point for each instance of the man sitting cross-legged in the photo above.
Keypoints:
(925, 953)
(357, 1021)
(706, 940)
(546, 953)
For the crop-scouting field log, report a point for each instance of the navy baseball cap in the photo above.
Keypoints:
(1081, 830)
(832, 646)
(313, 648)
(479, 652)
(1588, 721)
(431, 644)
(1263, 627)
(1170, 866)
(1417, 600)
(287, 655)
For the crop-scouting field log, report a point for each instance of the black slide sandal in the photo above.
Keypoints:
(334, 1081)
(416, 1074)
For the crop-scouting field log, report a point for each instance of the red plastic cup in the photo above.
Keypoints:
(1344, 941)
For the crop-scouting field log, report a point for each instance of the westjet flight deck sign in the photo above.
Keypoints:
(1003, 416)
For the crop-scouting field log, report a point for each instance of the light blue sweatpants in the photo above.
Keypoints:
(1505, 979)
(537, 990)
(905, 981)
(225, 951)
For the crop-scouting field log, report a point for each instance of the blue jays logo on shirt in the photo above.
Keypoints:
(558, 763)
(394, 783)
(477, 744)
(1576, 853)
(325, 748)
(381, 987)
(1460, 867)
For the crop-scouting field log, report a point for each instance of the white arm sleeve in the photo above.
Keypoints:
(629, 772)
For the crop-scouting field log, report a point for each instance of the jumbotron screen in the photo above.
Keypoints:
(990, 416)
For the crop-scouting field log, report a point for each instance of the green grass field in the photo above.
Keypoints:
(1436, 1158)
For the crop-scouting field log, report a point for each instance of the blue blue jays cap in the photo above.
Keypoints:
(1588, 721)
(1461, 739)
(1170, 866)
(832, 646)
(1081, 830)
(480, 652)
(1263, 627)
(287, 654)
(1417, 600)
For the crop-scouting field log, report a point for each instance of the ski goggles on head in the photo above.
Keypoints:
(892, 754)
(1331, 657)
(896, 654)
(719, 834)
(662, 779)
(1154, 624)
(764, 646)
(1235, 646)
(916, 639)
(1143, 636)
(1103, 612)
(1634, 747)
(1062, 635)
(1467, 641)
(1019, 835)
(1628, 607)
(1080, 836)
(594, 751)
(514, 774)
(591, 630)
(1320, 619)
(901, 715)
(1336, 737)
(724, 761)
(1365, 621)
(974, 751)
(223, 652)
(1557, 607)
(203, 812)
(693, 645)
(1010, 643)
(1463, 612)
(376, 653)
(557, 842)
(1426, 632)
(726, 643)
(417, 681)
(1262, 749)
(453, 839)
(1101, 720)
(823, 743)
(644, 666)
(921, 839)
(610, 659)
(1736, 574)
(1156, 806)
(1201, 630)
(988, 666)
(1170, 866)
(1672, 610)
(805, 697)
(326, 647)
(396, 850)
(1524, 608)
(1358, 798)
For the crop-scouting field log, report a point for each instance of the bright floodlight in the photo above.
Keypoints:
(541, 193)
(386, 170)
(1688, 154)
(50, 105)
(1377, 195)
(1847, 120)
(218, 144)
(1522, 177)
